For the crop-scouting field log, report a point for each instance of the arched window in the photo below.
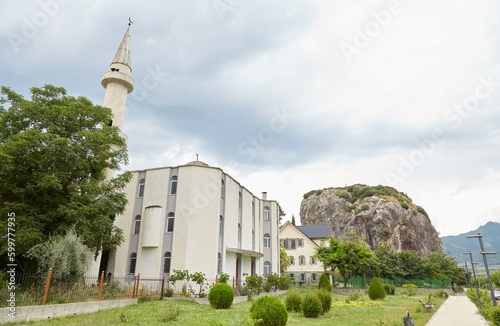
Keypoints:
(166, 262)
(133, 259)
(222, 189)
(312, 261)
(173, 185)
(239, 233)
(267, 240)
(142, 182)
(219, 263)
(302, 260)
(292, 260)
(170, 222)
(266, 212)
(137, 224)
(267, 268)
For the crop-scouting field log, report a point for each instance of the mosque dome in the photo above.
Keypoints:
(197, 163)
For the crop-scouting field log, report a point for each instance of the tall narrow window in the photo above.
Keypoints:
(221, 226)
(267, 268)
(137, 224)
(170, 222)
(133, 259)
(267, 240)
(222, 189)
(253, 240)
(166, 262)
(312, 260)
(239, 201)
(173, 185)
(253, 209)
(141, 188)
(292, 260)
(239, 234)
(266, 213)
(219, 263)
(302, 260)
(292, 244)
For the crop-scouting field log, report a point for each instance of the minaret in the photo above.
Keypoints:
(118, 82)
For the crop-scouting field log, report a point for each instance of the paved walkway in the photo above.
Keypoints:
(456, 311)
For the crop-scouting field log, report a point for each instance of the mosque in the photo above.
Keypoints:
(191, 217)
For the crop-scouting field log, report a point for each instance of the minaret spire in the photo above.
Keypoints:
(118, 81)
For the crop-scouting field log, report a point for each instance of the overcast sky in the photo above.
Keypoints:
(291, 96)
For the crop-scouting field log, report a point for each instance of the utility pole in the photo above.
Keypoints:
(476, 284)
(484, 253)
(467, 276)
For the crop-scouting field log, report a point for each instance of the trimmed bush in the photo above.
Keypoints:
(390, 289)
(221, 296)
(376, 290)
(293, 301)
(326, 300)
(268, 311)
(411, 289)
(495, 316)
(324, 282)
(311, 305)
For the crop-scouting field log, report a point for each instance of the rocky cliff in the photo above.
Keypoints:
(377, 214)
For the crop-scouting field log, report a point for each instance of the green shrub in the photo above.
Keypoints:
(376, 290)
(440, 293)
(324, 282)
(326, 300)
(284, 282)
(255, 283)
(390, 289)
(268, 311)
(353, 297)
(293, 301)
(411, 289)
(223, 278)
(311, 305)
(495, 316)
(221, 296)
(404, 204)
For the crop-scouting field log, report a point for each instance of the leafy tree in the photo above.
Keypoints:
(55, 154)
(284, 259)
(411, 265)
(66, 255)
(350, 257)
(387, 266)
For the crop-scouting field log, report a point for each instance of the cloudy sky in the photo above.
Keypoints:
(291, 96)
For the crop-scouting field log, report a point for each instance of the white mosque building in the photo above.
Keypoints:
(192, 216)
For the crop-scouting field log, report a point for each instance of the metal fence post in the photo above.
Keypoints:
(162, 287)
(47, 285)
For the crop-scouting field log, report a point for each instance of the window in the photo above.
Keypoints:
(312, 261)
(267, 240)
(137, 224)
(239, 233)
(292, 275)
(219, 263)
(292, 244)
(267, 268)
(141, 188)
(284, 242)
(253, 240)
(222, 189)
(302, 260)
(170, 222)
(239, 200)
(173, 185)
(221, 226)
(133, 259)
(302, 277)
(253, 209)
(314, 277)
(266, 213)
(300, 242)
(166, 262)
(292, 260)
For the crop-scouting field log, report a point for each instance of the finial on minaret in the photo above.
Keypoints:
(130, 22)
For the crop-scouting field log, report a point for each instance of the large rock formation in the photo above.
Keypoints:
(377, 214)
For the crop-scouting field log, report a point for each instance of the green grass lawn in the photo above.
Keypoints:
(356, 313)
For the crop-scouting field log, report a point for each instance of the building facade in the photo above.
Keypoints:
(300, 243)
(189, 217)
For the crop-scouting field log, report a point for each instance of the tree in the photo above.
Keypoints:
(350, 257)
(284, 259)
(55, 153)
(66, 255)
(293, 220)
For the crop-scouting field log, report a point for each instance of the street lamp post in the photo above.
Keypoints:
(476, 284)
(484, 253)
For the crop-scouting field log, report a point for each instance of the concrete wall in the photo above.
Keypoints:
(30, 313)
